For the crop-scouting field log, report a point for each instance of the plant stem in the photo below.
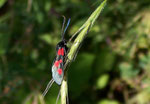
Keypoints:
(75, 47)
(64, 91)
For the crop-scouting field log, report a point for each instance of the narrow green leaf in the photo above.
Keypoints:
(74, 48)
(86, 26)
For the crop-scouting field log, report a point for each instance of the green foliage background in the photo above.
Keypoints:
(112, 66)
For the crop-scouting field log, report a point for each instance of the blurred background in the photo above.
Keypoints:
(112, 66)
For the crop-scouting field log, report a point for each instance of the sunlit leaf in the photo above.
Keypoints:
(107, 101)
(102, 81)
(2, 2)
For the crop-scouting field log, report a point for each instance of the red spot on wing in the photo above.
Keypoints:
(59, 52)
(60, 61)
(56, 63)
(62, 52)
(59, 71)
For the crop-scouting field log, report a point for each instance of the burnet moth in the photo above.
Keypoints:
(58, 64)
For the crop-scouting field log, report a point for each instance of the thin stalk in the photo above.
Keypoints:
(64, 91)
(76, 45)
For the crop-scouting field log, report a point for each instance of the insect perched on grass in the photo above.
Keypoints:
(58, 64)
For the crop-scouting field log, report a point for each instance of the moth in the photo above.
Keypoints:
(59, 61)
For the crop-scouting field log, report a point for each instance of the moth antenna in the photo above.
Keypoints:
(58, 97)
(50, 83)
(65, 29)
(63, 25)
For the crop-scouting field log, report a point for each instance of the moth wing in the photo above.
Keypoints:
(58, 76)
